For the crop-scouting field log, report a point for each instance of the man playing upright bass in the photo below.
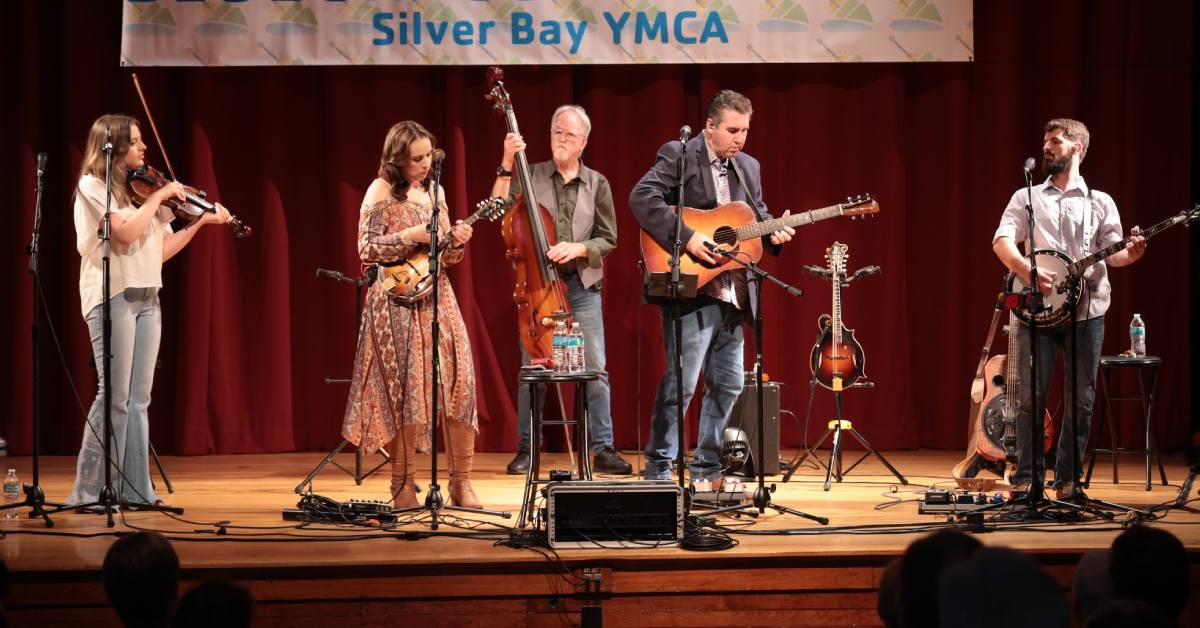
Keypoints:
(580, 200)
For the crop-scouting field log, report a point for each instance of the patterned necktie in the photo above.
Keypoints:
(722, 287)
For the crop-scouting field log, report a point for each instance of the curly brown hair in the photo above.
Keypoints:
(395, 155)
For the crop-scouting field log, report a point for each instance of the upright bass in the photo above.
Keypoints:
(528, 231)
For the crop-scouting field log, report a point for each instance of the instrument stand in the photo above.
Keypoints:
(35, 498)
(305, 485)
(834, 470)
(108, 499)
(434, 502)
(1185, 490)
(762, 493)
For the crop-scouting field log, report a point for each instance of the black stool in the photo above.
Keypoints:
(533, 379)
(1107, 364)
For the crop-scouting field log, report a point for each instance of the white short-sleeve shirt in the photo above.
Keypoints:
(138, 265)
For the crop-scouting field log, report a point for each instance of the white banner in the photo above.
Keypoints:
(507, 32)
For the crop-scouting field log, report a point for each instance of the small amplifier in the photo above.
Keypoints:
(745, 417)
(646, 513)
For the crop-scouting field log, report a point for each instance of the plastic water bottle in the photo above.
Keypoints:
(1137, 336)
(575, 354)
(12, 493)
(560, 347)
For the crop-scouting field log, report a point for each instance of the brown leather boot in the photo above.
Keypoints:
(404, 494)
(462, 455)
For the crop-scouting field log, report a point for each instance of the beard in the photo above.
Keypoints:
(1054, 166)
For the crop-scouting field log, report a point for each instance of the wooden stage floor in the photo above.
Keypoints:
(807, 574)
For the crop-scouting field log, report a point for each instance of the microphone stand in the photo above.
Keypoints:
(108, 499)
(35, 498)
(305, 486)
(434, 502)
(762, 493)
(1076, 493)
(676, 286)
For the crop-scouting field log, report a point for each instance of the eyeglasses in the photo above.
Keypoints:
(560, 133)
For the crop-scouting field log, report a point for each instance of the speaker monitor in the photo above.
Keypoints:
(745, 417)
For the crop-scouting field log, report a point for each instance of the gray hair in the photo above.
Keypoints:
(577, 110)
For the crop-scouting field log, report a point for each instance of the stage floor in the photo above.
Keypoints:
(356, 576)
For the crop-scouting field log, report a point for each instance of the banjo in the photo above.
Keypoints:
(1069, 272)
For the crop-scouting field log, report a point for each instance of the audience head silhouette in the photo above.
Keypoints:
(923, 562)
(1032, 598)
(141, 579)
(215, 603)
(1150, 564)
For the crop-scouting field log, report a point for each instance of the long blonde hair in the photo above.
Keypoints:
(396, 156)
(120, 133)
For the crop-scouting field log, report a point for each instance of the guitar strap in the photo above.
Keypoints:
(1087, 223)
(746, 187)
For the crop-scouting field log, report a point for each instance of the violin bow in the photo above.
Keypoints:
(153, 127)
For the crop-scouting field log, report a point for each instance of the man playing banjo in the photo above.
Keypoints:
(1074, 220)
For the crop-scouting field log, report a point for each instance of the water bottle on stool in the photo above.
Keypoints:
(560, 347)
(12, 493)
(1137, 336)
(575, 351)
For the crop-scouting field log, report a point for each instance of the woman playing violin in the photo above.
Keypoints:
(391, 387)
(141, 240)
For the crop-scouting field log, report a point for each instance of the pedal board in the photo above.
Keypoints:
(953, 502)
(317, 508)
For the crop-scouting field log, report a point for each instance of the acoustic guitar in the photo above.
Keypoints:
(734, 227)
(995, 402)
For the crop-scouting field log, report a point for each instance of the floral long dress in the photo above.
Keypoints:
(392, 382)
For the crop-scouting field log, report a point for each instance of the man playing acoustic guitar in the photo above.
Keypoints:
(717, 172)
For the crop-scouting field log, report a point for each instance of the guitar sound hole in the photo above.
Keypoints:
(725, 236)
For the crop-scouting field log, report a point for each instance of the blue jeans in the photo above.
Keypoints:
(1090, 334)
(136, 331)
(585, 308)
(712, 339)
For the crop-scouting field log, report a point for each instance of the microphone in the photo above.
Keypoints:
(438, 156)
(1030, 164)
(685, 132)
(818, 271)
(865, 271)
(41, 164)
(712, 246)
(332, 274)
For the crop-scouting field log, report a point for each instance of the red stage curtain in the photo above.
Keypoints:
(250, 334)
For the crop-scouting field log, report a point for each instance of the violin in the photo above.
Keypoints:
(146, 181)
